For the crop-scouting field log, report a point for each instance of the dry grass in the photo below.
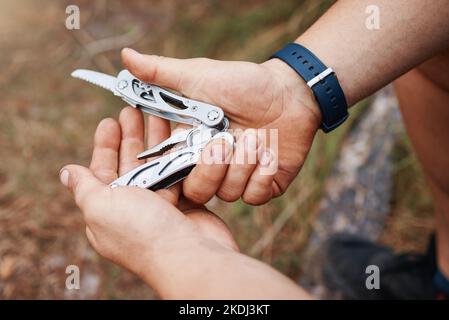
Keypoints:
(48, 120)
(411, 221)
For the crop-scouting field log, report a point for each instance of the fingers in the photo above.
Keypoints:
(83, 184)
(259, 188)
(171, 194)
(243, 164)
(247, 175)
(132, 143)
(158, 130)
(104, 163)
(204, 180)
(162, 71)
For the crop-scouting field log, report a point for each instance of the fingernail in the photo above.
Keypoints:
(250, 142)
(266, 159)
(133, 54)
(132, 51)
(64, 177)
(220, 151)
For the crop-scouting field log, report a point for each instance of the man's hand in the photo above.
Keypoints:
(133, 227)
(253, 96)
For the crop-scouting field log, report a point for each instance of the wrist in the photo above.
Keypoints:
(321, 79)
(204, 269)
(178, 265)
(297, 96)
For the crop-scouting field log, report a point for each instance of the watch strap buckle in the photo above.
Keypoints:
(320, 77)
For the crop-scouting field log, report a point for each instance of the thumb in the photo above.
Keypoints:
(82, 184)
(158, 70)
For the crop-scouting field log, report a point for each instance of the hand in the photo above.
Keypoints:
(133, 227)
(253, 96)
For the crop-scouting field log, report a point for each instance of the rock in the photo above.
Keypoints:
(358, 192)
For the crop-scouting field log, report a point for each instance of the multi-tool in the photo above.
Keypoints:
(208, 122)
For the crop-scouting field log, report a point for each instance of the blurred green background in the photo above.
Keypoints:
(48, 119)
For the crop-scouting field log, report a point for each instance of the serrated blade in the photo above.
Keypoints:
(102, 80)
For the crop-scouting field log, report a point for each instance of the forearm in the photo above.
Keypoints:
(411, 31)
(203, 269)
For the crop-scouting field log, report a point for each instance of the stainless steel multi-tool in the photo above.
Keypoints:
(208, 122)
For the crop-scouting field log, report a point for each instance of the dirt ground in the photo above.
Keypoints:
(48, 119)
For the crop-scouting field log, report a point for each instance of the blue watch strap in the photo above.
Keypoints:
(323, 82)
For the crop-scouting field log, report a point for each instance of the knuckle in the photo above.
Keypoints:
(75, 186)
(254, 199)
(206, 175)
(195, 194)
(105, 175)
(277, 190)
(228, 194)
(155, 65)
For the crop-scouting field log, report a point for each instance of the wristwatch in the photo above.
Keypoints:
(321, 80)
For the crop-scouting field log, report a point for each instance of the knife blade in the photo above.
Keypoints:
(102, 80)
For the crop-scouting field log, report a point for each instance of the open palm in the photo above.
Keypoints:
(125, 224)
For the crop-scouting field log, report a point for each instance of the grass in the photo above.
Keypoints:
(48, 119)
(410, 223)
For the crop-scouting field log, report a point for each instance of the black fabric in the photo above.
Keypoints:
(402, 276)
(441, 284)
